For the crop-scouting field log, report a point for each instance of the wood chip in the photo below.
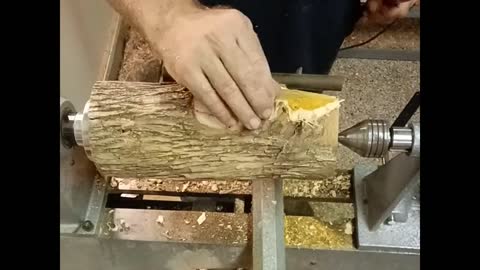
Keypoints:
(113, 183)
(348, 228)
(185, 186)
(229, 227)
(187, 222)
(201, 218)
(160, 219)
(214, 187)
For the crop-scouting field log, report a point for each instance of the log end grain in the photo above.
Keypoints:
(305, 106)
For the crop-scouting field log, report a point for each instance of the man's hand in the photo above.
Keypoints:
(387, 11)
(216, 54)
(213, 52)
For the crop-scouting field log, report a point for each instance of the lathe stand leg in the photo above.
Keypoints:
(268, 233)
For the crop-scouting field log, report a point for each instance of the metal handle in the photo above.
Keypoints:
(310, 82)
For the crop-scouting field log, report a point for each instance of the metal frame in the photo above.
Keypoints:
(372, 233)
(381, 54)
(112, 254)
(390, 185)
(150, 252)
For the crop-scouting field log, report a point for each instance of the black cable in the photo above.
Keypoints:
(368, 40)
(372, 38)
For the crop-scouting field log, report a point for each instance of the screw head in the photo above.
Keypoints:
(390, 220)
(87, 226)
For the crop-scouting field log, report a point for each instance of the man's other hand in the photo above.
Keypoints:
(387, 11)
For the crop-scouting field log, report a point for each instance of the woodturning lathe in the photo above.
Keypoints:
(149, 130)
(119, 106)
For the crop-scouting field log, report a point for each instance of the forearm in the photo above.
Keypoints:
(152, 15)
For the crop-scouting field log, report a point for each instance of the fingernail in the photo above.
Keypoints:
(266, 114)
(254, 123)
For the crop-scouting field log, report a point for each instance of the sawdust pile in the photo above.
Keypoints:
(139, 63)
(338, 186)
(219, 187)
(308, 232)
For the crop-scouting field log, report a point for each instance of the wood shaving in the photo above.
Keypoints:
(201, 218)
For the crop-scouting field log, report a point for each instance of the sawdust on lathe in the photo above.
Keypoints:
(218, 187)
(139, 63)
(309, 232)
(335, 187)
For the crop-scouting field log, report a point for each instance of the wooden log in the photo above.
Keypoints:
(149, 130)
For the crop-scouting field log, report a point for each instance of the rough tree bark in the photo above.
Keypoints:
(148, 130)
